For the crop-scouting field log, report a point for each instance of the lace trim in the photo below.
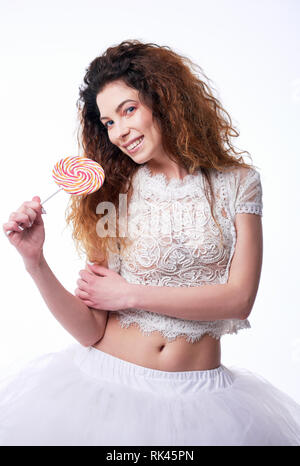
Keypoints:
(171, 328)
(161, 177)
(158, 187)
(249, 208)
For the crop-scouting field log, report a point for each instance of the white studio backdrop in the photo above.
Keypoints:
(249, 50)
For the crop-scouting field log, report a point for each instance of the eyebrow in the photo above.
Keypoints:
(118, 107)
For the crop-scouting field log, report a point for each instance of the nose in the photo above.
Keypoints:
(122, 133)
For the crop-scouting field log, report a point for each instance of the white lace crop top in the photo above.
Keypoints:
(177, 243)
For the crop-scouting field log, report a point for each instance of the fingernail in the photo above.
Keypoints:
(20, 228)
(90, 263)
(43, 211)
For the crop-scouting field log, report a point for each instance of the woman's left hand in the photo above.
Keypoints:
(102, 288)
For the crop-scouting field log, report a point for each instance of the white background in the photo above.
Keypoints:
(250, 51)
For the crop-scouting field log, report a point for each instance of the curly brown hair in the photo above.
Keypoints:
(195, 130)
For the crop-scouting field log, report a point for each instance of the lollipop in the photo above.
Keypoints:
(77, 175)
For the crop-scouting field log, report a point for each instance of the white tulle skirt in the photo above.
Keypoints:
(84, 397)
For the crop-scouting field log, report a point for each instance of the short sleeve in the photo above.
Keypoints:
(249, 192)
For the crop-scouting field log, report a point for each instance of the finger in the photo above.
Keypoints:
(82, 285)
(30, 212)
(85, 275)
(84, 298)
(11, 227)
(21, 218)
(26, 216)
(31, 208)
(81, 294)
(87, 302)
(99, 269)
(35, 205)
(38, 200)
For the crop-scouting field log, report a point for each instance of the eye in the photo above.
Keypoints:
(107, 123)
(130, 108)
(108, 126)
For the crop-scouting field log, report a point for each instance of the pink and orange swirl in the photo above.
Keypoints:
(78, 175)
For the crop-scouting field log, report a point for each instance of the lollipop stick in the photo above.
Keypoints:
(51, 195)
(22, 228)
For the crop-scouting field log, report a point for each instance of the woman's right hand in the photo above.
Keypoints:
(29, 241)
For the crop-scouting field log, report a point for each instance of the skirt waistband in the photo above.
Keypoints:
(103, 366)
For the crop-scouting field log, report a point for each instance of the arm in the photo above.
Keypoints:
(78, 319)
(233, 300)
(207, 302)
(28, 240)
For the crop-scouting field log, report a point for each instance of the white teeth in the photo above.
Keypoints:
(134, 144)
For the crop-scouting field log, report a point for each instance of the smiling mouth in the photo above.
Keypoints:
(137, 146)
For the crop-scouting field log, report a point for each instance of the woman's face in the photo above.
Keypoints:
(129, 121)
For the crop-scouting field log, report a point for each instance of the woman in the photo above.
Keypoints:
(179, 213)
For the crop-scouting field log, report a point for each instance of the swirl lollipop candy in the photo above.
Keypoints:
(76, 175)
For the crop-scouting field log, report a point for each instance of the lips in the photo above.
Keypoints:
(131, 142)
(138, 146)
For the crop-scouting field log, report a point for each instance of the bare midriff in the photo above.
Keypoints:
(155, 351)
